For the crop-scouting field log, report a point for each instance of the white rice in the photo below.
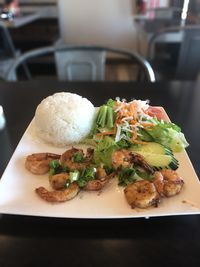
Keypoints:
(64, 118)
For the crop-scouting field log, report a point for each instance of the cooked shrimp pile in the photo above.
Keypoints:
(75, 170)
(145, 193)
(72, 171)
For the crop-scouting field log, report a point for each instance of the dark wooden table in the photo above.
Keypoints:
(36, 241)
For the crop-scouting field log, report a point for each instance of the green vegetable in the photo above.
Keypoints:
(144, 135)
(157, 156)
(85, 176)
(168, 134)
(177, 141)
(110, 103)
(108, 170)
(109, 118)
(141, 173)
(101, 117)
(160, 161)
(56, 167)
(54, 164)
(67, 184)
(104, 150)
(124, 144)
(126, 176)
(73, 176)
(82, 177)
(104, 119)
(78, 157)
(152, 147)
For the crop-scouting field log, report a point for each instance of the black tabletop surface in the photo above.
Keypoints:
(159, 241)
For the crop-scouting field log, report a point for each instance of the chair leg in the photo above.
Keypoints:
(27, 72)
(140, 75)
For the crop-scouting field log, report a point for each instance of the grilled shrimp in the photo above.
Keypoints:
(121, 158)
(58, 195)
(38, 163)
(89, 155)
(139, 160)
(58, 181)
(100, 181)
(158, 181)
(126, 158)
(168, 182)
(142, 194)
(67, 158)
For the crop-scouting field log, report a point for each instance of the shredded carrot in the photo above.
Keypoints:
(133, 122)
(105, 133)
(147, 124)
(144, 111)
(128, 111)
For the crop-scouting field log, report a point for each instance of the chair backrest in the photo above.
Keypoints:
(74, 62)
(188, 64)
(76, 65)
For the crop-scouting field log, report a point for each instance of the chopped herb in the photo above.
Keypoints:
(108, 170)
(78, 157)
(73, 176)
(54, 164)
(126, 176)
(124, 144)
(143, 174)
(56, 167)
(81, 182)
(86, 175)
(67, 184)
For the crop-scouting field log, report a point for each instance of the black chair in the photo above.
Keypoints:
(82, 62)
(8, 53)
(184, 62)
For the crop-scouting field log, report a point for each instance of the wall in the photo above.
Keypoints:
(105, 22)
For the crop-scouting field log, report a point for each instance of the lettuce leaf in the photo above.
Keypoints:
(168, 134)
(104, 150)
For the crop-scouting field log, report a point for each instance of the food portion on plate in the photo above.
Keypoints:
(64, 118)
(128, 141)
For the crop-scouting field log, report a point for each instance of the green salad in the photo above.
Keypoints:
(138, 127)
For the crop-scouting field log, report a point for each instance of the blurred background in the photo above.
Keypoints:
(124, 24)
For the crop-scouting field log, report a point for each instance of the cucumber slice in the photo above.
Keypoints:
(152, 147)
(145, 136)
(160, 161)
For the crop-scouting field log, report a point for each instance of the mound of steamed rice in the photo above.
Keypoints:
(64, 118)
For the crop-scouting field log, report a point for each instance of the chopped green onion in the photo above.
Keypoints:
(54, 164)
(56, 167)
(86, 175)
(110, 103)
(109, 118)
(101, 120)
(67, 184)
(126, 176)
(78, 157)
(73, 176)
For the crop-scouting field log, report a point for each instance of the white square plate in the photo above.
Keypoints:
(17, 191)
